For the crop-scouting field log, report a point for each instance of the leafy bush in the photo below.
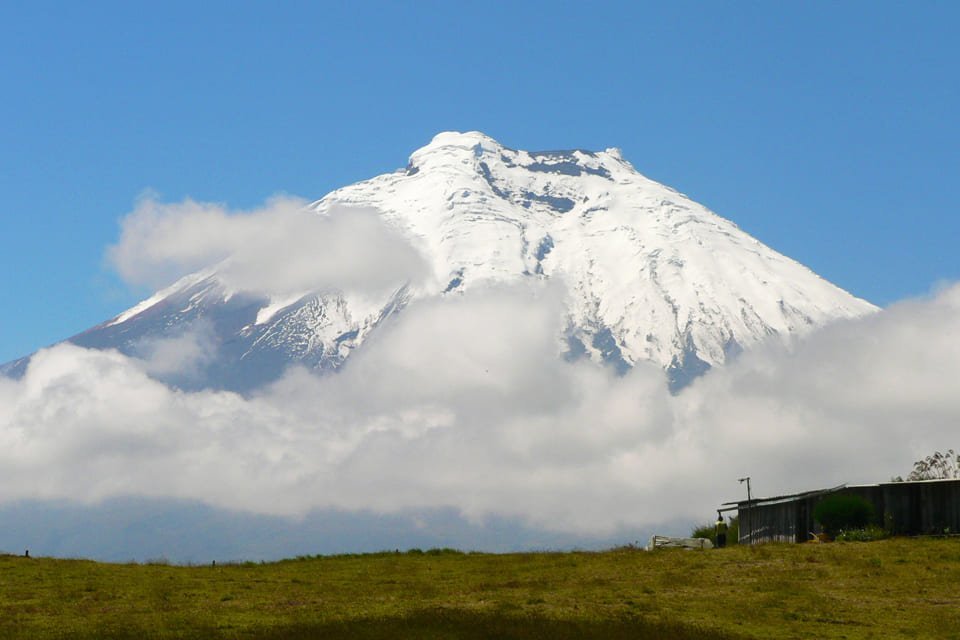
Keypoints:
(707, 531)
(841, 512)
(443, 551)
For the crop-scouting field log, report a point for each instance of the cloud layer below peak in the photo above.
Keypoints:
(464, 403)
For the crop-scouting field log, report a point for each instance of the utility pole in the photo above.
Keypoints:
(749, 509)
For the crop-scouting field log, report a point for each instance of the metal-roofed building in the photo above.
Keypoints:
(904, 508)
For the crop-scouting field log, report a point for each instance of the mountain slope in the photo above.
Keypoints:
(652, 275)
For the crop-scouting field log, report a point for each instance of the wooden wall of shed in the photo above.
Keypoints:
(904, 508)
(912, 508)
(769, 523)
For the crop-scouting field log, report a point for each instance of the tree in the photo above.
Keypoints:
(937, 466)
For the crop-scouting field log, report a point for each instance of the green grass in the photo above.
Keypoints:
(890, 588)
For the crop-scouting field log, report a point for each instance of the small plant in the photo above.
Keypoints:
(839, 512)
(867, 534)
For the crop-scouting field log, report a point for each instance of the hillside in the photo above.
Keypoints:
(891, 588)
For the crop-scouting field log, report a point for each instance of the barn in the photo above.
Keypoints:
(926, 507)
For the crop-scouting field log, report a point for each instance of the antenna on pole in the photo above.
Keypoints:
(749, 509)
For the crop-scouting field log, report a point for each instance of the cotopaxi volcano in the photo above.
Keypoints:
(649, 274)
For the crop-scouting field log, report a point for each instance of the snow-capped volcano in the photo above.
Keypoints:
(650, 274)
(653, 275)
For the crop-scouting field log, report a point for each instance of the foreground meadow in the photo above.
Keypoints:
(893, 588)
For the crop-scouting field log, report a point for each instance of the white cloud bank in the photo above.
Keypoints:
(464, 402)
(278, 249)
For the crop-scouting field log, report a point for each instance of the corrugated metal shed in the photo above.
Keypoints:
(904, 508)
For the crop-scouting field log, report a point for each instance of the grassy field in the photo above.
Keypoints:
(906, 588)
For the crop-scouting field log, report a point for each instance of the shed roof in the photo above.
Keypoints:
(759, 502)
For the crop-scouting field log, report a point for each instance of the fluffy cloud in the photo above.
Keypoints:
(463, 402)
(280, 249)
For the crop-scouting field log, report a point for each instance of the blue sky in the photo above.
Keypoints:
(827, 130)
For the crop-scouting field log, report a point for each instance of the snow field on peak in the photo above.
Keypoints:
(662, 273)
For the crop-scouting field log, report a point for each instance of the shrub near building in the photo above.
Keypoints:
(709, 531)
(838, 513)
